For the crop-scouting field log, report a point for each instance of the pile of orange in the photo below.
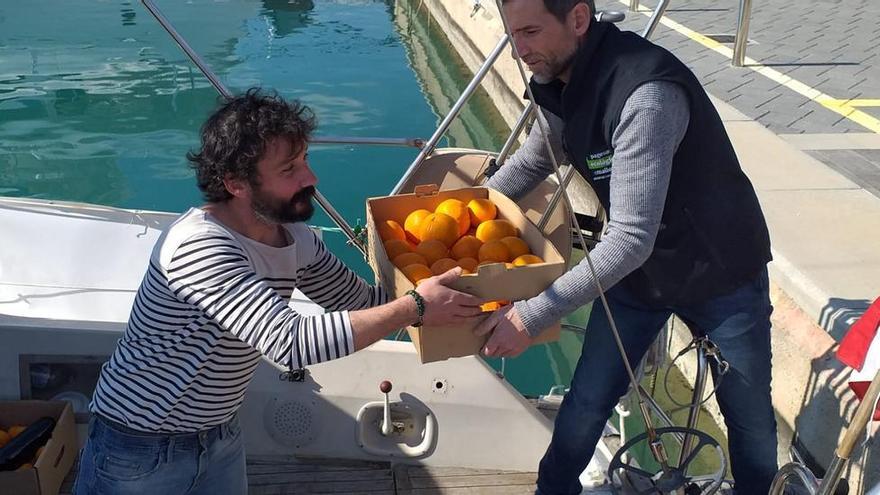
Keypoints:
(12, 432)
(454, 234)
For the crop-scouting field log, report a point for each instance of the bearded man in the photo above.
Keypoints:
(215, 300)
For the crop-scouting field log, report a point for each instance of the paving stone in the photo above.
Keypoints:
(831, 46)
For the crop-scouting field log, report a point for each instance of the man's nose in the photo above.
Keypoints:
(309, 179)
(521, 47)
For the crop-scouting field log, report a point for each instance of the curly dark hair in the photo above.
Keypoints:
(234, 138)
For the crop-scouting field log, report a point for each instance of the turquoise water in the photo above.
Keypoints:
(97, 104)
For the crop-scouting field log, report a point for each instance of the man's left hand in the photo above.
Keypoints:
(509, 337)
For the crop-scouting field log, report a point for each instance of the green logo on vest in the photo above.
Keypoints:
(600, 164)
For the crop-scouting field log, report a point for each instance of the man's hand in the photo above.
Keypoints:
(445, 306)
(509, 337)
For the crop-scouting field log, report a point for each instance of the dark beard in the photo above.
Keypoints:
(298, 208)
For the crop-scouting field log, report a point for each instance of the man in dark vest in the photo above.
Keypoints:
(685, 234)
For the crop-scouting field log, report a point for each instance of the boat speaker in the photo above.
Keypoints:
(290, 422)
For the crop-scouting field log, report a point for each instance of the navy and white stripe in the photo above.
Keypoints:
(211, 303)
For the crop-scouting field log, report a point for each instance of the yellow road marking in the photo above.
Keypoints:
(846, 108)
(855, 102)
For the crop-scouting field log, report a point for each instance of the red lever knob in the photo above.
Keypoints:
(385, 386)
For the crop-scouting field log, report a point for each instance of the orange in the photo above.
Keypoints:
(516, 246)
(443, 265)
(457, 210)
(490, 306)
(24, 466)
(408, 259)
(396, 247)
(495, 230)
(509, 265)
(416, 272)
(432, 250)
(4, 438)
(466, 247)
(441, 227)
(15, 430)
(469, 265)
(39, 453)
(481, 210)
(493, 305)
(527, 259)
(494, 251)
(412, 224)
(389, 229)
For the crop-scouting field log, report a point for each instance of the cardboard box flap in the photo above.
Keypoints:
(426, 190)
(496, 282)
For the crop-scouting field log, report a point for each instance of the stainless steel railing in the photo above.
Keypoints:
(742, 33)
(659, 11)
(453, 112)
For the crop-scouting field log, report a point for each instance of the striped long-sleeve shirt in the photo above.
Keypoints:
(211, 304)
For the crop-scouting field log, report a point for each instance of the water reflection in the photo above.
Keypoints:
(287, 16)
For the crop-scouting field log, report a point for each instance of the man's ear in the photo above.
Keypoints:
(237, 187)
(581, 17)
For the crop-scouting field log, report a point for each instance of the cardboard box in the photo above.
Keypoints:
(492, 282)
(58, 455)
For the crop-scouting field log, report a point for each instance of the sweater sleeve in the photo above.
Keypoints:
(328, 282)
(531, 163)
(652, 124)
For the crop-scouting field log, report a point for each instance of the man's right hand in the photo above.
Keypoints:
(444, 306)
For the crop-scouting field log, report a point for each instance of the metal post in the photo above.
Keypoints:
(655, 19)
(634, 5)
(322, 201)
(514, 134)
(696, 400)
(413, 142)
(742, 33)
(554, 200)
(453, 112)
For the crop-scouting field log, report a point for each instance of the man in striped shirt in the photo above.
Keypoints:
(214, 300)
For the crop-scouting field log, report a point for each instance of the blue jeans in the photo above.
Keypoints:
(118, 460)
(739, 323)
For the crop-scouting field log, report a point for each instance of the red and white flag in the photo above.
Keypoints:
(860, 350)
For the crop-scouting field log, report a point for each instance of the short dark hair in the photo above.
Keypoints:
(234, 138)
(561, 8)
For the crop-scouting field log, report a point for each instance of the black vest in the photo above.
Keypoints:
(712, 236)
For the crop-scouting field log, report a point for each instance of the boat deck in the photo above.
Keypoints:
(277, 475)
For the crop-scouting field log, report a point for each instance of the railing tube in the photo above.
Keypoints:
(409, 142)
(554, 200)
(453, 112)
(742, 33)
(696, 401)
(659, 11)
(514, 134)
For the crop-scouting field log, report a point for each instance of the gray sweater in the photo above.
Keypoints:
(652, 124)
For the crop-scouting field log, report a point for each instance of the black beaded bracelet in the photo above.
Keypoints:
(420, 306)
